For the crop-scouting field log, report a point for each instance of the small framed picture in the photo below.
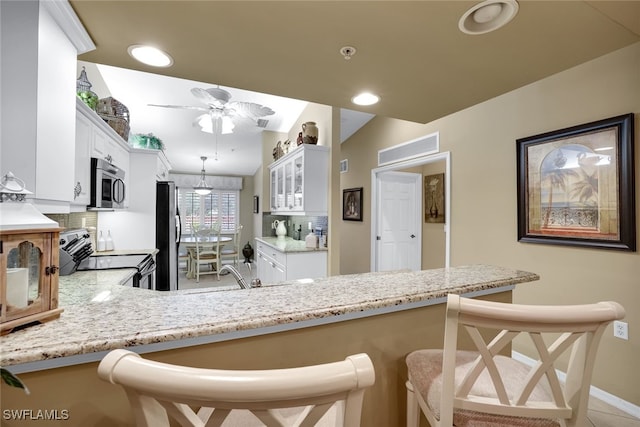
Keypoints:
(256, 204)
(352, 204)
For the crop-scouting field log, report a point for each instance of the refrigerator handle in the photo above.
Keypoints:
(178, 227)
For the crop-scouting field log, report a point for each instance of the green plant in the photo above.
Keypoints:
(12, 380)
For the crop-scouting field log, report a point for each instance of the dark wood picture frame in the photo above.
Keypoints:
(352, 204)
(434, 198)
(575, 186)
(256, 204)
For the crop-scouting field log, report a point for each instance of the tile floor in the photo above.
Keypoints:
(600, 414)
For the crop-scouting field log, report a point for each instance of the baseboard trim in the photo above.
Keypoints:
(608, 398)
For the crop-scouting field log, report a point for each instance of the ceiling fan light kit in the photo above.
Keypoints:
(488, 16)
(202, 188)
(217, 106)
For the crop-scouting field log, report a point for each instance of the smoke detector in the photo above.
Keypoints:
(347, 52)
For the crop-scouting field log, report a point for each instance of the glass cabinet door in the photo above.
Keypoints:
(288, 185)
(280, 202)
(298, 182)
(27, 269)
(274, 192)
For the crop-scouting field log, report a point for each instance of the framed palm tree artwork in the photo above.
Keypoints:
(576, 186)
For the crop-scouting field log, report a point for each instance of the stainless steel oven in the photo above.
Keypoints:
(107, 185)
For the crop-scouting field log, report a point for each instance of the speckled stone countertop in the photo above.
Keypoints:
(99, 315)
(288, 244)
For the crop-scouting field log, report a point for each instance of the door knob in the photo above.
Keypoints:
(413, 236)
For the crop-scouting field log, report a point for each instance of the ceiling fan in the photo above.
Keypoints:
(221, 114)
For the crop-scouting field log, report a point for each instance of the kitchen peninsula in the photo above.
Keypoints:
(385, 315)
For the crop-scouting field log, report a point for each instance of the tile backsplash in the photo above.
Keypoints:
(294, 223)
(76, 219)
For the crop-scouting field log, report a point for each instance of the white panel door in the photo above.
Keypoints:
(399, 227)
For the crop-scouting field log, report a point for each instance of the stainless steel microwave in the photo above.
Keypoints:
(107, 185)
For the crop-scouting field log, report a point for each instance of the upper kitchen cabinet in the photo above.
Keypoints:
(40, 42)
(299, 182)
(95, 138)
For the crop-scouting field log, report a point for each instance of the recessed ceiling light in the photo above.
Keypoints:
(150, 55)
(488, 16)
(365, 98)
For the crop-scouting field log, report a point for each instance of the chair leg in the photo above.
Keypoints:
(413, 410)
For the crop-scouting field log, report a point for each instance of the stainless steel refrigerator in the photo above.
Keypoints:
(168, 229)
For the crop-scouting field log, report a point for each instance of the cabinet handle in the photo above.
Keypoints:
(51, 270)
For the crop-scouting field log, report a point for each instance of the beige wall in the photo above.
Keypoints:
(481, 140)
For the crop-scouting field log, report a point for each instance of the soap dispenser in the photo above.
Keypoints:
(109, 241)
(101, 243)
(311, 241)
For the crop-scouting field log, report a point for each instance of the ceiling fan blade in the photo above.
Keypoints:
(251, 110)
(214, 97)
(181, 107)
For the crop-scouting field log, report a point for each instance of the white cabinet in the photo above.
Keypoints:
(275, 266)
(95, 138)
(37, 103)
(299, 182)
(82, 181)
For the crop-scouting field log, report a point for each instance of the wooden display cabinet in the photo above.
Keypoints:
(28, 277)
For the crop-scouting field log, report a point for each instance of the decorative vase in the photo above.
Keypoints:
(309, 133)
(281, 229)
(247, 251)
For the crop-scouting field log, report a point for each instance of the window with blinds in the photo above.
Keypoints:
(217, 206)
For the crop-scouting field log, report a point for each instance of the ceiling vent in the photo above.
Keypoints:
(262, 123)
(422, 146)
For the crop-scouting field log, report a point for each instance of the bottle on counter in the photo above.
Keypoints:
(109, 241)
(311, 241)
(102, 244)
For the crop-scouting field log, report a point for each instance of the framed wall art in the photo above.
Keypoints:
(352, 204)
(576, 186)
(256, 204)
(434, 198)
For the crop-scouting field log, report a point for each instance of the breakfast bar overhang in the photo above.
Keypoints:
(385, 315)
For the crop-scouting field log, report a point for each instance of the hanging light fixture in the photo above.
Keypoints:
(202, 188)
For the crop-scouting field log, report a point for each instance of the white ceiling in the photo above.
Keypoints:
(239, 153)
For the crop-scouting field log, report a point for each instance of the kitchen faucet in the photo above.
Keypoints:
(241, 282)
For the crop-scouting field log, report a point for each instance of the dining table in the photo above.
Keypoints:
(189, 243)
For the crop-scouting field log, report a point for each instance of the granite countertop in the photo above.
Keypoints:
(99, 315)
(288, 244)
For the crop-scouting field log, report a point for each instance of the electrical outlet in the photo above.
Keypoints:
(621, 330)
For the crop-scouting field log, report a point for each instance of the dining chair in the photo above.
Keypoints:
(207, 251)
(483, 385)
(325, 394)
(232, 249)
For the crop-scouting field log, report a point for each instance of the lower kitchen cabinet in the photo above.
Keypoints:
(274, 265)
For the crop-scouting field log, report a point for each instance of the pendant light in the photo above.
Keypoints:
(202, 188)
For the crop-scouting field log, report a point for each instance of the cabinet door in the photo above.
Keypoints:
(280, 196)
(84, 135)
(263, 269)
(288, 185)
(273, 191)
(298, 182)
